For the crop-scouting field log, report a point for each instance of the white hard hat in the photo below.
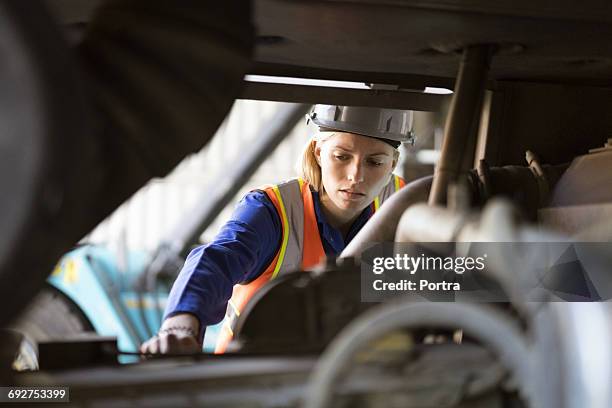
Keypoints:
(389, 124)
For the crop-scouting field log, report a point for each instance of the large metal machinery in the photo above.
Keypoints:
(530, 77)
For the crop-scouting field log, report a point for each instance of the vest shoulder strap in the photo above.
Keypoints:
(391, 187)
(287, 198)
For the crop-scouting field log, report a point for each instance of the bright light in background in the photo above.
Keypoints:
(327, 83)
(440, 91)
(305, 81)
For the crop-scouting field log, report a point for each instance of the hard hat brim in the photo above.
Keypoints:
(385, 124)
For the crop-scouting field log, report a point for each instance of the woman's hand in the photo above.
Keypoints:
(178, 334)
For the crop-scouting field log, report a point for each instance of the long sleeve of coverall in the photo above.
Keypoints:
(240, 252)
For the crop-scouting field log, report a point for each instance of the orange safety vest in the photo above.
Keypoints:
(301, 246)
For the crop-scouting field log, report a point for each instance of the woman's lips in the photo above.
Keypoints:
(351, 195)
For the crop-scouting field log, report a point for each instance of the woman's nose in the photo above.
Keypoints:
(355, 172)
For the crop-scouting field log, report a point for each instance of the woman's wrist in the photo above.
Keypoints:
(179, 329)
(181, 323)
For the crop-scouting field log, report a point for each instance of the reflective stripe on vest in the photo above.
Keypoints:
(392, 186)
(301, 246)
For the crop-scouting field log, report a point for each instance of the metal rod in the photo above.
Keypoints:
(463, 118)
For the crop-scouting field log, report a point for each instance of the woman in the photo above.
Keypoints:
(346, 174)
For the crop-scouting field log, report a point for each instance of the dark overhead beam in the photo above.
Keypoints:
(264, 91)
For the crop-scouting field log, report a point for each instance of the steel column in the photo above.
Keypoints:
(463, 118)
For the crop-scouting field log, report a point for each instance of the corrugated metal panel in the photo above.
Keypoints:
(142, 221)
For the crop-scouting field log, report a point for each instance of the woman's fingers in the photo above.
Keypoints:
(153, 347)
(144, 347)
(189, 344)
(170, 343)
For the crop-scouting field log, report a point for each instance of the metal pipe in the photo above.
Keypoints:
(495, 330)
(497, 224)
(463, 118)
(383, 224)
(424, 223)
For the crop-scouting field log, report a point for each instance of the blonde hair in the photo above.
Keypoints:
(309, 168)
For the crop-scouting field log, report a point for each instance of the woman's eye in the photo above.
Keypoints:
(340, 157)
(375, 163)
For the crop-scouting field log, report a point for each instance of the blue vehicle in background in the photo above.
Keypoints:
(110, 293)
(93, 290)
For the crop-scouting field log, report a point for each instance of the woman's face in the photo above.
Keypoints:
(354, 169)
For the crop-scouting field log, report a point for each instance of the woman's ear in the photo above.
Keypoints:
(317, 152)
(395, 160)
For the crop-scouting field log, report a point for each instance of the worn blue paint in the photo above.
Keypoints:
(90, 277)
(90, 274)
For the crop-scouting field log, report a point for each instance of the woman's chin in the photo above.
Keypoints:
(350, 204)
